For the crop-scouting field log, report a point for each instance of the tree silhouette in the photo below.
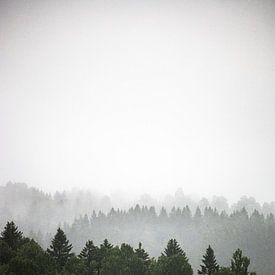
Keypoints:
(240, 263)
(142, 254)
(11, 235)
(106, 244)
(60, 248)
(210, 265)
(90, 256)
(173, 248)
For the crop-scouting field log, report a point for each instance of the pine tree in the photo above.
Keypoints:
(173, 248)
(90, 256)
(142, 254)
(11, 235)
(240, 263)
(210, 265)
(60, 248)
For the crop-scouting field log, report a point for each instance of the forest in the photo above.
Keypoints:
(87, 219)
(23, 256)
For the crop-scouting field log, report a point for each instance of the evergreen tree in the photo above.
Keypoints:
(225, 271)
(240, 263)
(6, 253)
(173, 265)
(31, 259)
(11, 235)
(210, 265)
(142, 254)
(90, 256)
(173, 248)
(60, 248)
(106, 244)
(102, 253)
(75, 266)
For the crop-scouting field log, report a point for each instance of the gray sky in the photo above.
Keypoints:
(139, 96)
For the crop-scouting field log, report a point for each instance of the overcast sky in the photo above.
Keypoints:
(140, 96)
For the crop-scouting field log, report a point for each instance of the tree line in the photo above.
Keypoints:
(251, 226)
(27, 205)
(24, 256)
(254, 234)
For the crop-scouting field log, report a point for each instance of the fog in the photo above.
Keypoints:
(195, 223)
(134, 97)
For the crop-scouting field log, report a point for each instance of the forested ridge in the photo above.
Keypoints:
(23, 256)
(247, 224)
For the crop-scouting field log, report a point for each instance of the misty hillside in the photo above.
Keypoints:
(195, 224)
(137, 135)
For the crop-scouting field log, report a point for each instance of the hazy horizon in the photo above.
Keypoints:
(139, 96)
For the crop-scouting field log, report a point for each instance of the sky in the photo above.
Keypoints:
(139, 96)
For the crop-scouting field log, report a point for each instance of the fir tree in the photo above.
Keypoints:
(106, 244)
(210, 265)
(90, 256)
(173, 248)
(60, 248)
(11, 235)
(142, 254)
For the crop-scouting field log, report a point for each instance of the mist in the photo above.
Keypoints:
(133, 95)
(147, 124)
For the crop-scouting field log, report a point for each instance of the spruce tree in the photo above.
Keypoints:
(173, 248)
(60, 248)
(106, 244)
(142, 254)
(103, 252)
(210, 265)
(90, 256)
(11, 235)
(173, 261)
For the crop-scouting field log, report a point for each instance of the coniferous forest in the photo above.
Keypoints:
(24, 256)
(65, 234)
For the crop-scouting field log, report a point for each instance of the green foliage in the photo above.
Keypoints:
(123, 261)
(239, 263)
(22, 256)
(210, 265)
(74, 266)
(31, 259)
(60, 249)
(91, 257)
(173, 261)
(11, 235)
(173, 248)
(6, 253)
(106, 245)
(142, 254)
(225, 271)
(32, 250)
(173, 265)
(23, 266)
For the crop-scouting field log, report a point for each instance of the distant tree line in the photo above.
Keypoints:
(24, 256)
(35, 210)
(248, 225)
(254, 234)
